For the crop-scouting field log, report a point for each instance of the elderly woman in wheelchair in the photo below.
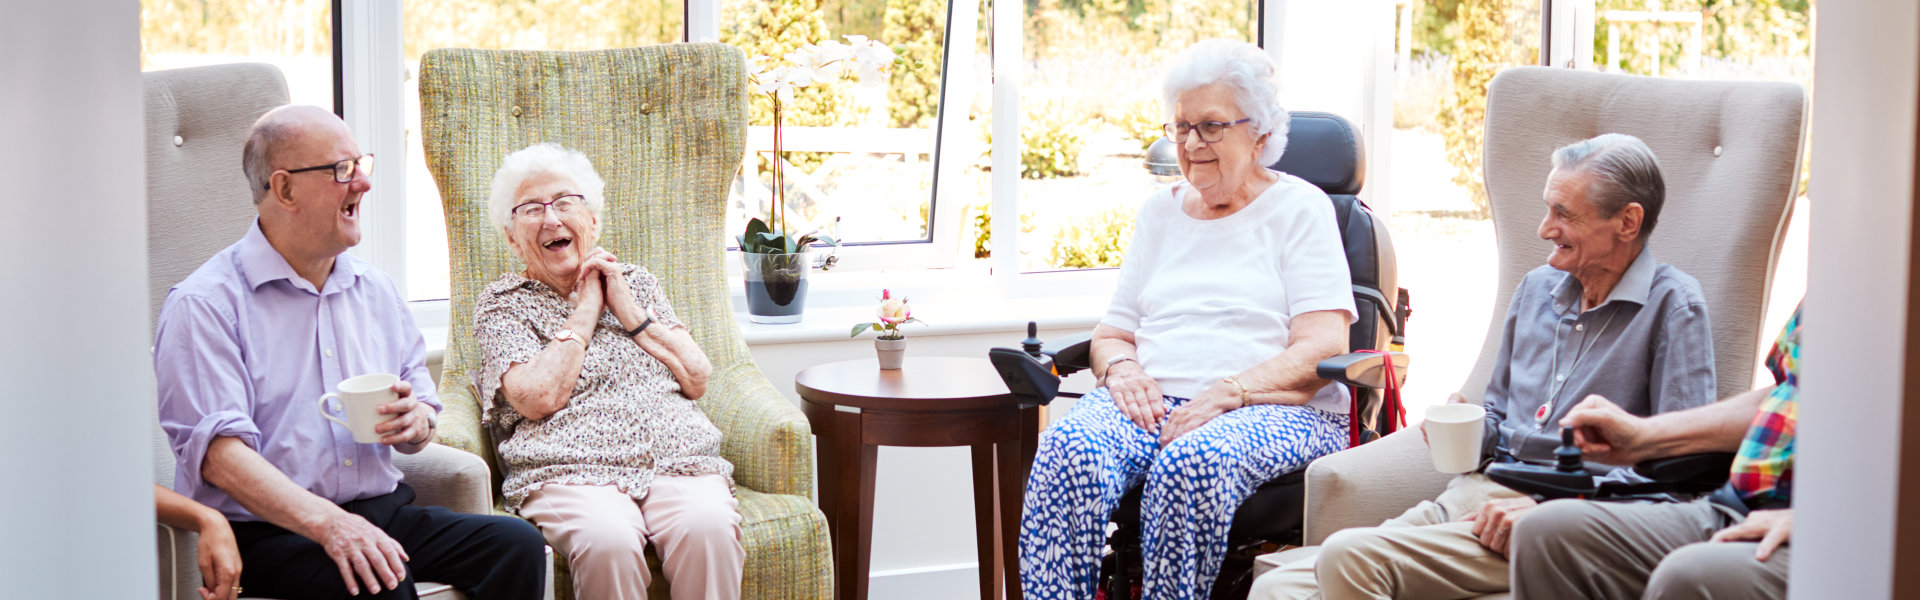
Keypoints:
(1235, 286)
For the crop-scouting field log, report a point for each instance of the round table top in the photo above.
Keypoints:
(922, 382)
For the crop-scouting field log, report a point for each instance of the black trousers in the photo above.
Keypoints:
(487, 557)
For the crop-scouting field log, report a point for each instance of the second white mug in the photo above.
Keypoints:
(360, 399)
(1453, 436)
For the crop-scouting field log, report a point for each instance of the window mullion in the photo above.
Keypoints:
(1008, 31)
(371, 80)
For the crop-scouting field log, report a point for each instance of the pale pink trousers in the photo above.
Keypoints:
(693, 523)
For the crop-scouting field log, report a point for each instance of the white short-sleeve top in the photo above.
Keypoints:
(1206, 299)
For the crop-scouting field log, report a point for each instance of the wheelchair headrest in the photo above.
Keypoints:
(1323, 149)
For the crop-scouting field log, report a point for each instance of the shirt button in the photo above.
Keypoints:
(329, 353)
(1561, 377)
(1576, 327)
(349, 462)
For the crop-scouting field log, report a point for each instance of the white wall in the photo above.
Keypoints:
(77, 499)
(1863, 131)
(923, 540)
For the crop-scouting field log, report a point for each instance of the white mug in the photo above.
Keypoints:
(360, 399)
(1453, 436)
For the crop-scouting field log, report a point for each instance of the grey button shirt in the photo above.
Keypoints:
(1648, 348)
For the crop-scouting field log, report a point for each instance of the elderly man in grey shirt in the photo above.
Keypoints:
(1602, 317)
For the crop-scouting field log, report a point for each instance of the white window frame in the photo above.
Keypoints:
(371, 47)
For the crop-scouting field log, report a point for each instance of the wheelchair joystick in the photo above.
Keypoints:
(1567, 478)
(1028, 372)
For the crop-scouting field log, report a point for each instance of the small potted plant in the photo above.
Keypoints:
(891, 345)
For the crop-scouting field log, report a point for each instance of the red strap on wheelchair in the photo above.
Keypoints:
(1389, 400)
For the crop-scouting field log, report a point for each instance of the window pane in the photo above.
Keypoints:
(295, 35)
(501, 25)
(859, 155)
(1446, 52)
(1090, 102)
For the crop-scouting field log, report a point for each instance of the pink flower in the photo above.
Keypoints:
(894, 311)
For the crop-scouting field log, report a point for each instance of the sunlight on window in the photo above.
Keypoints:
(295, 35)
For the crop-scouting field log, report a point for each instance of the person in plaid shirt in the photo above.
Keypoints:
(1731, 544)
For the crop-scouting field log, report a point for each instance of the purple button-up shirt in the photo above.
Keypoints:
(245, 348)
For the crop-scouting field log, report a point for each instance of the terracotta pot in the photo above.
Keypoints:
(892, 352)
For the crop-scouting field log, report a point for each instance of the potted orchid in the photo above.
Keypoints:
(891, 345)
(776, 262)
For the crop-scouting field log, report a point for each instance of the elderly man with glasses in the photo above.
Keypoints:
(246, 344)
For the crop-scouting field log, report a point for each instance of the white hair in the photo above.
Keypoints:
(1244, 68)
(535, 160)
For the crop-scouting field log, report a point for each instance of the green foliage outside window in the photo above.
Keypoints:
(774, 28)
(916, 29)
(1097, 242)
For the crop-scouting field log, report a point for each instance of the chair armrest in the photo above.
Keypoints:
(1364, 369)
(1360, 487)
(445, 476)
(763, 434)
(179, 562)
(1071, 353)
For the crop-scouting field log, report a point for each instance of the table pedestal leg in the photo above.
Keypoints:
(1015, 460)
(846, 486)
(986, 526)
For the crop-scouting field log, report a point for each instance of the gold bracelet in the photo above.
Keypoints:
(1245, 398)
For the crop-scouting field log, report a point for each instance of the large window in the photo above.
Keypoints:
(500, 25)
(1090, 105)
(294, 35)
(859, 159)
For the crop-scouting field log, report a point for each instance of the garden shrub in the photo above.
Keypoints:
(916, 30)
(1100, 241)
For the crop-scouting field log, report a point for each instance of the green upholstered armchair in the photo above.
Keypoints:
(666, 127)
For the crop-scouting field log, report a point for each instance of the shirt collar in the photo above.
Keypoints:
(1635, 285)
(261, 264)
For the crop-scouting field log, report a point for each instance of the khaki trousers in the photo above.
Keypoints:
(1573, 549)
(693, 523)
(1426, 553)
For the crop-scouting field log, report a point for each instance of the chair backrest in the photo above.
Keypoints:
(197, 204)
(1729, 151)
(665, 126)
(1327, 151)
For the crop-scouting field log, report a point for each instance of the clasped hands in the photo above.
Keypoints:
(600, 283)
(1139, 400)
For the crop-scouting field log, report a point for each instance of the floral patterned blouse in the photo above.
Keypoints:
(625, 421)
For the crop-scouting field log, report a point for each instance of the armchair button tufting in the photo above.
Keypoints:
(1716, 150)
(177, 140)
(516, 111)
(646, 108)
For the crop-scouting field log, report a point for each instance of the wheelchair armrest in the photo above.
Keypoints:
(1691, 473)
(1071, 354)
(1364, 369)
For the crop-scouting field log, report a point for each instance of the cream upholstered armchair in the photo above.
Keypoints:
(197, 204)
(1730, 153)
(666, 127)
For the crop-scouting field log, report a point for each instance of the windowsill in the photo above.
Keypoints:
(956, 301)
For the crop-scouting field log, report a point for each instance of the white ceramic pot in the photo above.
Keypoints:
(892, 352)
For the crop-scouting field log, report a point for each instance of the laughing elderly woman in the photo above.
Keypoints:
(1234, 287)
(590, 381)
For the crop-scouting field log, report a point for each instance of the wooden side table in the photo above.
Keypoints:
(855, 407)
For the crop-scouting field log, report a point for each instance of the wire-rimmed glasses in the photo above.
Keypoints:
(1210, 131)
(537, 210)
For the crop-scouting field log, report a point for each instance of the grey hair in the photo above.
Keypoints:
(1620, 169)
(534, 160)
(256, 158)
(1245, 68)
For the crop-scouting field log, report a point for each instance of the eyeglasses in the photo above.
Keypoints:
(343, 171)
(1210, 131)
(537, 210)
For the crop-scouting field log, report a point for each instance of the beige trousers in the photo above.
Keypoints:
(1426, 553)
(693, 523)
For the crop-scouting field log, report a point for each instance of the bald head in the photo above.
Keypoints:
(272, 132)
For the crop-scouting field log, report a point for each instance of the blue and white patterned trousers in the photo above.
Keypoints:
(1088, 460)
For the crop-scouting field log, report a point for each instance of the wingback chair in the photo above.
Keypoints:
(1730, 153)
(666, 127)
(197, 121)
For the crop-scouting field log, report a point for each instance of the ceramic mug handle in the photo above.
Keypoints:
(323, 409)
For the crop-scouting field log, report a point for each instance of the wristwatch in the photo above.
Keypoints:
(567, 335)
